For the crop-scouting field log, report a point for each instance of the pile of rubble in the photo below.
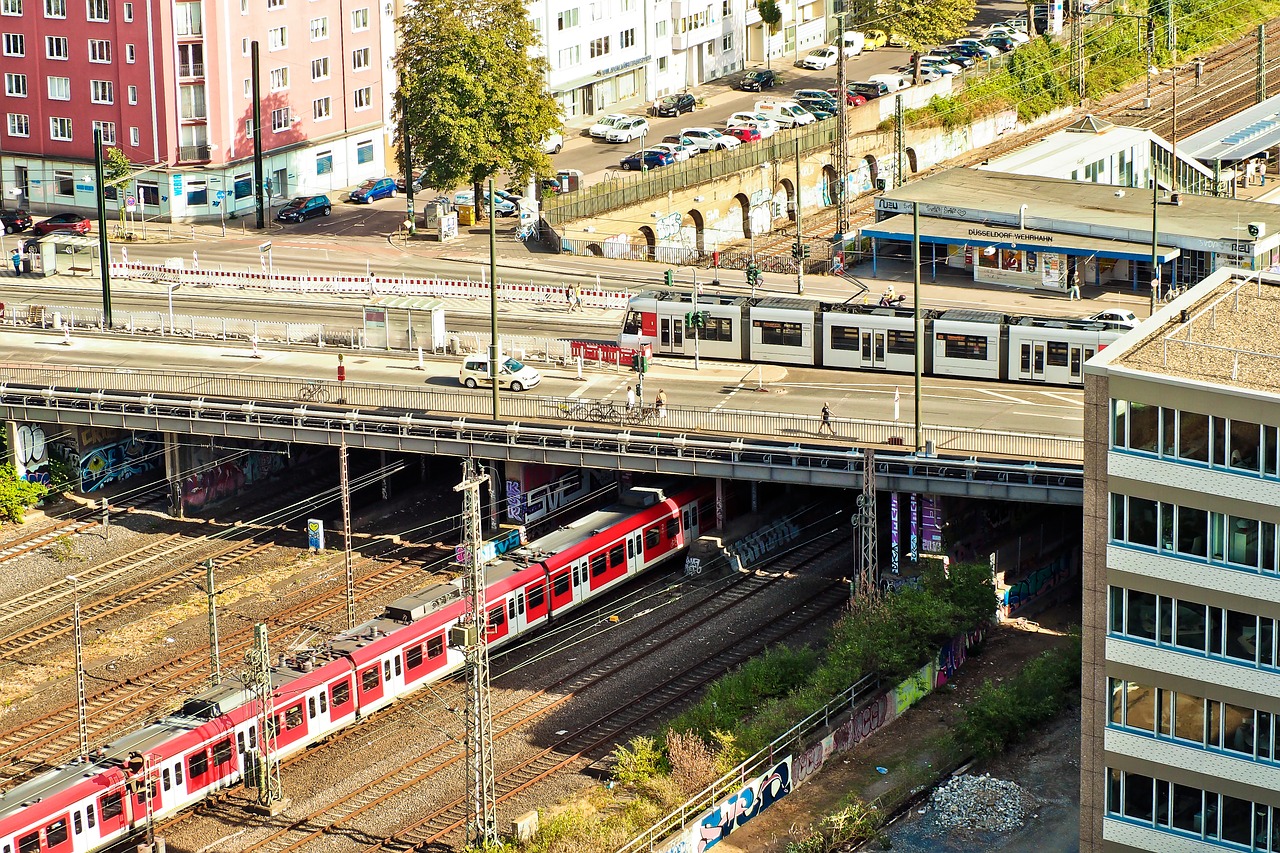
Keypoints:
(980, 803)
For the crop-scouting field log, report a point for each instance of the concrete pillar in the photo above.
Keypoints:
(10, 443)
(173, 473)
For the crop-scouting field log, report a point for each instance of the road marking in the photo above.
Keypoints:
(1077, 401)
(582, 389)
(1079, 417)
(1004, 397)
(728, 397)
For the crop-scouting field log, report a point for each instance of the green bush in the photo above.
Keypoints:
(17, 495)
(641, 762)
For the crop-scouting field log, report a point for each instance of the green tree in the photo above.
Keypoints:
(925, 22)
(472, 95)
(16, 495)
(770, 17)
(116, 169)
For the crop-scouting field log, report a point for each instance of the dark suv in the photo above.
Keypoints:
(15, 220)
(869, 90)
(758, 80)
(305, 207)
(674, 105)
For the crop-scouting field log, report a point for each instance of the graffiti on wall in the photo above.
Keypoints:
(754, 797)
(120, 460)
(849, 734)
(218, 477)
(31, 453)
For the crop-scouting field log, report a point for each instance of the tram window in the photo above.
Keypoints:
(324, 702)
(396, 660)
(560, 585)
(239, 745)
(693, 516)
(177, 774)
(535, 595)
(777, 333)
(844, 338)
(56, 833)
(902, 341)
(652, 537)
(1057, 354)
(197, 765)
(435, 647)
(633, 324)
(511, 608)
(112, 805)
(497, 618)
(89, 813)
(413, 657)
(166, 779)
(673, 528)
(964, 346)
(253, 739)
(718, 329)
(386, 670)
(368, 680)
(222, 749)
(1075, 361)
(617, 556)
(340, 694)
(29, 843)
(597, 565)
(311, 707)
(866, 345)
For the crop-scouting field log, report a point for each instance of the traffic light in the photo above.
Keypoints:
(799, 251)
(670, 278)
(639, 363)
(696, 319)
(754, 275)
(702, 317)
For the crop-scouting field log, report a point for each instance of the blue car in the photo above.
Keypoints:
(647, 159)
(374, 189)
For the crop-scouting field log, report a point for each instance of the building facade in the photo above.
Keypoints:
(1181, 681)
(169, 84)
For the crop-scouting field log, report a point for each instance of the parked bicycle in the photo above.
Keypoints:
(313, 392)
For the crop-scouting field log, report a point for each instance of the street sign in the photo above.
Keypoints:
(130, 203)
(220, 194)
(264, 247)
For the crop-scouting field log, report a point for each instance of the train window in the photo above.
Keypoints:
(324, 702)
(413, 656)
(617, 556)
(597, 565)
(1057, 354)
(844, 338)
(167, 779)
(718, 329)
(1075, 361)
(222, 749)
(633, 324)
(29, 843)
(631, 548)
(177, 772)
(311, 707)
(511, 607)
(497, 617)
(536, 595)
(197, 765)
(77, 823)
(560, 585)
(964, 346)
(368, 680)
(693, 516)
(652, 537)
(780, 334)
(435, 647)
(902, 341)
(520, 602)
(112, 805)
(239, 743)
(396, 660)
(386, 670)
(56, 833)
(292, 718)
(673, 528)
(341, 693)
(89, 813)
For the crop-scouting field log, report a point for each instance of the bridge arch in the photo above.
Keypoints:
(695, 219)
(650, 241)
(830, 185)
(873, 167)
(744, 210)
(785, 195)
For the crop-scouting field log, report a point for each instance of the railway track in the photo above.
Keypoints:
(54, 739)
(82, 519)
(336, 815)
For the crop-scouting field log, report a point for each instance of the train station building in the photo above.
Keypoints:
(1045, 233)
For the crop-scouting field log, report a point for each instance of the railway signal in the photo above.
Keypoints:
(799, 251)
(755, 276)
(669, 278)
(640, 363)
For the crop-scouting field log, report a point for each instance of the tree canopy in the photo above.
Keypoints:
(472, 94)
(770, 16)
(926, 22)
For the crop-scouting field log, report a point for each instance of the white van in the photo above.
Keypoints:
(785, 113)
(853, 42)
(895, 82)
(513, 375)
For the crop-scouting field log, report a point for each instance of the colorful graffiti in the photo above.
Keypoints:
(508, 540)
(954, 654)
(120, 460)
(864, 722)
(216, 480)
(754, 797)
(1019, 594)
(31, 453)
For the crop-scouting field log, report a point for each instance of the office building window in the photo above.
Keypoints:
(108, 129)
(275, 4)
(55, 8)
(60, 129)
(364, 151)
(99, 50)
(627, 38)
(324, 163)
(319, 29)
(135, 137)
(360, 59)
(19, 124)
(320, 68)
(55, 47)
(320, 109)
(280, 120)
(187, 19)
(359, 20)
(15, 85)
(11, 7)
(98, 10)
(192, 102)
(129, 54)
(599, 47)
(59, 88)
(277, 38)
(128, 12)
(364, 98)
(279, 78)
(102, 91)
(567, 19)
(15, 44)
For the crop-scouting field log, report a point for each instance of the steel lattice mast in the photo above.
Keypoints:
(270, 790)
(868, 568)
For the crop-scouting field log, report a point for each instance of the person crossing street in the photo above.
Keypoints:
(826, 420)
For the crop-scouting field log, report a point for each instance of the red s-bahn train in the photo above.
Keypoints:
(209, 743)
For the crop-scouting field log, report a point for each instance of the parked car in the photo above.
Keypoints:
(305, 207)
(1115, 318)
(988, 50)
(851, 97)
(649, 158)
(895, 82)
(785, 113)
(374, 189)
(553, 143)
(940, 63)
(709, 139)
(674, 105)
(821, 94)
(1002, 43)
(758, 80)
(821, 109)
(976, 52)
(820, 58)
(626, 131)
(601, 129)
(501, 206)
(744, 133)
(1018, 35)
(767, 126)
(868, 89)
(958, 57)
(853, 41)
(678, 152)
(874, 39)
(417, 182)
(683, 143)
(15, 220)
(72, 223)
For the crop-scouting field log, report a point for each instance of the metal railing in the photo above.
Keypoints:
(193, 153)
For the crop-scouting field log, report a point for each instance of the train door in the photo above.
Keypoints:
(535, 602)
(561, 589)
(671, 334)
(635, 552)
(515, 612)
(873, 342)
(1031, 360)
(111, 811)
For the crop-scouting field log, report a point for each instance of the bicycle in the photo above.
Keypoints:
(313, 392)
(641, 415)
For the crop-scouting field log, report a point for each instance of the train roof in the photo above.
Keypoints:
(876, 310)
(1057, 323)
(972, 315)
(792, 303)
(705, 298)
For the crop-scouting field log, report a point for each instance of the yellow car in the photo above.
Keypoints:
(875, 39)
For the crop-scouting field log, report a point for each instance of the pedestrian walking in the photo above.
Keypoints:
(661, 404)
(1248, 173)
(826, 420)
(631, 398)
(16, 259)
(575, 299)
(1074, 292)
(1262, 172)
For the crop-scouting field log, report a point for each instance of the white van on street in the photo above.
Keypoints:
(895, 82)
(513, 375)
(853, 42)
(785, 113)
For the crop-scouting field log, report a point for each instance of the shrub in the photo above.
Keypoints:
(693, 765)
(16, 495)
(639, 763)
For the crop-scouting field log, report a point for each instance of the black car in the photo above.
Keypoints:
(304, 207)
(418, 186)
(821, 109)
(757, 81)
(15, 220)
(869, 90)
(958, 57)
(674, 105)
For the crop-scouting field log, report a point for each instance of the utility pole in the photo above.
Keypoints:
(270, 792)
(899, 146)
(696, 322)
(1155, 235)
(918, 330)
(868, 571)
(840, 154)
(471, 634)
(1077, 46)
(81, 706)
(104, 251)
(345, 488)
(408, 166)
(494, 367)
(1260, 94)
(257, 129)
(215, 655)
(799, 228)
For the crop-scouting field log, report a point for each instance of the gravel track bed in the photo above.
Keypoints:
(416, 725)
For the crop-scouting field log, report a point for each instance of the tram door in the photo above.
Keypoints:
(1032, 362)
(1079, 355)
(671, 334)
(873, 348)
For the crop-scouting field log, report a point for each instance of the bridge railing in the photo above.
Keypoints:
(573, 413)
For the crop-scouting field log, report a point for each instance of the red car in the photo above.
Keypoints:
(853, 98)
(744, 134)
(62, 222)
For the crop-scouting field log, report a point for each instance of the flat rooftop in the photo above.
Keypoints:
(1224, 331)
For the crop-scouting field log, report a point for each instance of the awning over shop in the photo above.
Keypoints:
(953, 232)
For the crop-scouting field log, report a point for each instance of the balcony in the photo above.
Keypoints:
(190, 69)
(193, 154)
